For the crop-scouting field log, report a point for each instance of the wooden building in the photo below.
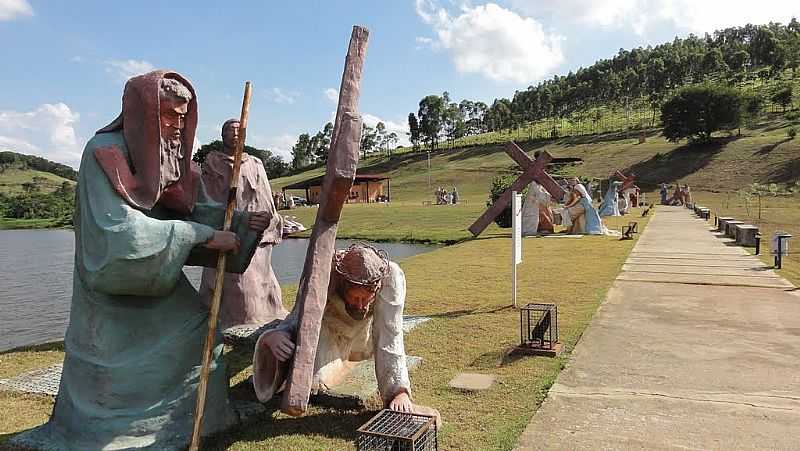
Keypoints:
(366, 189)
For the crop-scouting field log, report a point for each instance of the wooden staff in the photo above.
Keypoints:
(220, 276)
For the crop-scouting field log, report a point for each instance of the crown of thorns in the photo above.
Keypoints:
(366, 273)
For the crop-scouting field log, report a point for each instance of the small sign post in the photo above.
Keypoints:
(516, 239)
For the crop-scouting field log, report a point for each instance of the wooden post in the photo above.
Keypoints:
(220, 276)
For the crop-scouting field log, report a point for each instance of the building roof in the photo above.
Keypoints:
(317, 181)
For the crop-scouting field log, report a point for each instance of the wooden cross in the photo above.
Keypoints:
(627, 182)
(533, 172)
(312, 293)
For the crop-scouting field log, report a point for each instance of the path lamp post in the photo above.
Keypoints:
(780, 247)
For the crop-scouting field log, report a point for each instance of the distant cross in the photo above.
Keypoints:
(533, 172)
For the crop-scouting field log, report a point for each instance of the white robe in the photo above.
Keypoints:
(625, 200)
(343, 339)
(537, 198)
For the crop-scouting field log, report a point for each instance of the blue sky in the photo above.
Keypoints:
(65, 62)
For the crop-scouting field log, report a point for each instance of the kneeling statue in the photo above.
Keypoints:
(363, 319)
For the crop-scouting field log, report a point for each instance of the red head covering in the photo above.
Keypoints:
(137, 179)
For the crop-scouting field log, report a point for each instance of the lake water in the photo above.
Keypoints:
(36, 280)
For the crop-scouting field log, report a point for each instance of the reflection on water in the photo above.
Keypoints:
(36, 279)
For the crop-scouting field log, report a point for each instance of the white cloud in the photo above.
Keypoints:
(687, 15)
(77, 59)
(709, 15)
(280, 145)
(11, 9)
(126, 69)
(424, 42)
(47, 131)
(284, 97)
(400, 128)
(493, 41)
(332, 95)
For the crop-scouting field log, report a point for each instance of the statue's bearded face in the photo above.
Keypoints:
(230, 135)
(358, 298)
(173, 118)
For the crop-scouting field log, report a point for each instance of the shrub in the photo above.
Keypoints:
(791, 133)
(499, 185)
(695, 112)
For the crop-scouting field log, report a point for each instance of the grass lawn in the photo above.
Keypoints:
(777, 213)
(402, 221)
(465, 288)
(12, 223)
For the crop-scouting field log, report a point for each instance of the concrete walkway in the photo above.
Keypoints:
(696, 347)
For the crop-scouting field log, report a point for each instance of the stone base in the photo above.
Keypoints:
(555, 351)
(472, 381)
(730, 226)
(746, 235)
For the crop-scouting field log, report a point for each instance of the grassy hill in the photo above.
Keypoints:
(35, 192)
(761, 154)
(12, 179)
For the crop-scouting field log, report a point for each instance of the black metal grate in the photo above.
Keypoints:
(538, 325)
(398, 431)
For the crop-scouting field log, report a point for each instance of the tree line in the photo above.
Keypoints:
(273, 164)
(311, 150)
(34, 203)
(21, 161)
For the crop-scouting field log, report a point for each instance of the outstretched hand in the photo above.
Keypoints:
(280, 344)
(402, 403)
(259, 220)
(224, 241)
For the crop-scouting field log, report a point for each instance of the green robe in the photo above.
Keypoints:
(137, 326)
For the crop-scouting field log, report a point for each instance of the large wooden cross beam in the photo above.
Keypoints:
(627, 181)
(312, 292)
(533, 172)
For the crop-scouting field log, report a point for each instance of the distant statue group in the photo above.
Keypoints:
(576, 212)
(444, 197)
(681, 195)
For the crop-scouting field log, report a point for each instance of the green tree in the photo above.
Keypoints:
(273, 165)
(738, 60)
(414, 132)
(753, 104)
(380, 137)
(321, 143)
(301, 152)
(695, 112)
(369, 139)
(431, 113)
(783, 95)
(713, 62)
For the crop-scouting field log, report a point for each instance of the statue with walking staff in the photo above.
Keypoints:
(137, 326)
